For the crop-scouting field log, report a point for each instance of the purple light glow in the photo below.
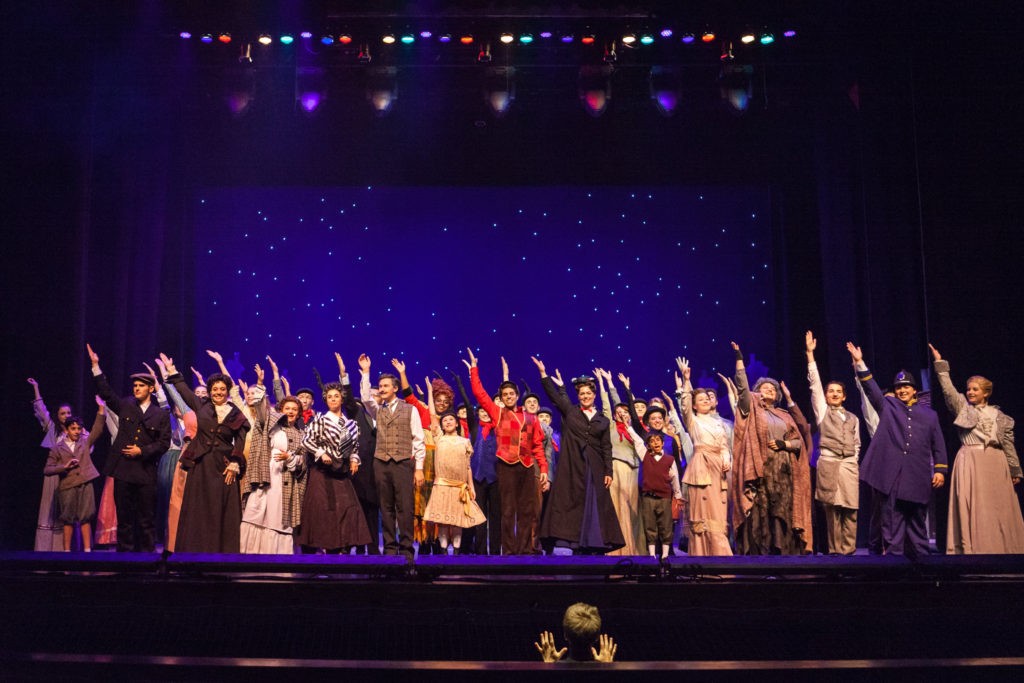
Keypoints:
(666, 33)
(185, 35)
(426, 34)
(567, 38)
(688, 38)
(306, 34)
(207, 38)
(545, 34)
(309, 101)
(445, 38)
(790, 33)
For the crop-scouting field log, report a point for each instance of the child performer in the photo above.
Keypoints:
(452, 505)
(71, 459)
(660, 485)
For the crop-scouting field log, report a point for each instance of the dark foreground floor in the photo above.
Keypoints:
(204, 618)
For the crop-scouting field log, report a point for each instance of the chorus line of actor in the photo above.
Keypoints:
(220, 466)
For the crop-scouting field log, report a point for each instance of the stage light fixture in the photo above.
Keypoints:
(382, 88)
(567, 37)
(588, 39)
(466, 39)
(224, 38)
(610, 56)
(306, 34)
(206, 38)
(287, 39)
(629, 39)
(506, 38)
(388, 39)
(408, 39)
(666, 33)
(594, 88)
(499, 89)
(310, 88)
(747, 38)
(327, 40)
(646, 39)
(546, 34)
(345, 39)
(688, 38)
(735, 81)
(484, 56)
(426, 34)
(789, 33)
(526, 38)
(707, 36)
(265, 39)
(666, 89)
(767, 38)
(445, 38)
(184, 35)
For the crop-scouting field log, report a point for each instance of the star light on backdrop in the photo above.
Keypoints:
(624, 279)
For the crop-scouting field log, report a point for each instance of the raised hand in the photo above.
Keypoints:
(33, 382)
(472, 358)
(679, 381)
(93, 358)
(101, 404)
(607, 649)
(341, 364)
(785, 392)
(169, 364)
(398, 365)
(557, 379)
(540, 365)
(199, 375)
(546, 647)
(624, 380)
(273, 367)
(242, 386)
(504, 370)
(684, 367)
(855, 353)
(215, 356)
(935, 353)
(259, 374)
(156, 380)
(364, 363)
(668, 402)
(286, 386)
(810, 343)
(163, 368)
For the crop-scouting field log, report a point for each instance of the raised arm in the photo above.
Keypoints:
(742, 385)
(818, 404)
(955, 401)
(606, 405)
(220, 362)
(865, 378)
(634, 418)
(486, 402)
(365, 394)
(98, 423)
(112, 400)
(556, 392)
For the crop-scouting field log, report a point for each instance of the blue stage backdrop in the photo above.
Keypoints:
(614, 277)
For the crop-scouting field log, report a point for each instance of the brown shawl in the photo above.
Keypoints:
(749, 447)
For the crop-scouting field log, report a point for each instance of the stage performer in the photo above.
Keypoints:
(580, 512)
(332, 518)
(275, 474)
(144, 434)
(520, 443)
(400, 452)
(452, 505)
(984, 513)
(627, 453)
(484, 464)
(838, 488)
(168, 461)
(905, 460)
(363, 481)
(707, 474)
(49, 536)
(178, 475)
(660, 488)
(771, 473)
(424, 533)
(211, 507)
(71, 461)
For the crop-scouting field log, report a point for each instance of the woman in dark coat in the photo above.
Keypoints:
(211, 506)
(580, 514)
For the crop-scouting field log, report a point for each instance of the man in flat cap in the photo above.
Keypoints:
(144, 434)
(904, 462)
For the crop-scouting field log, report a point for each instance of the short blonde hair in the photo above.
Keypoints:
(984, 382)
(582, 624)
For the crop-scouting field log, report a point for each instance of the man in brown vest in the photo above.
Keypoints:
(838, 481)
(400, 452)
